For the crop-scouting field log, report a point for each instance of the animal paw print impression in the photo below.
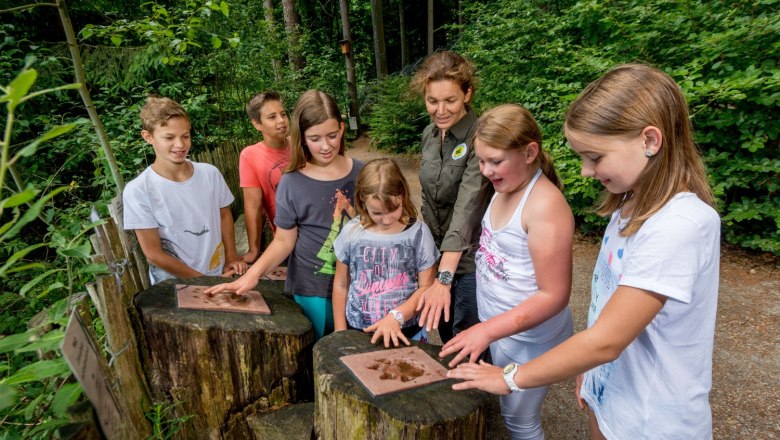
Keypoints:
(397, 369)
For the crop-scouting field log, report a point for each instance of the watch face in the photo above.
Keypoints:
(444, 277)
(508, 369)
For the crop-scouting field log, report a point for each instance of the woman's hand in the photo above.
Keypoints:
(433, 301)
(470, 342)
(388, 328)
(482, 376)
(244, 284)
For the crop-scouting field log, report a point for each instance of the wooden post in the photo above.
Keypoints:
(112, 296)
(344, 409)
(221, 367)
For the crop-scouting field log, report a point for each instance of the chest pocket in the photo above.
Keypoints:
(451, 176)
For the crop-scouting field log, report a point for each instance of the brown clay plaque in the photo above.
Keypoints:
(399, 369)
(278, 274)
(193, 297)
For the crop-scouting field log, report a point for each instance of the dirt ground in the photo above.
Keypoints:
(746, 360)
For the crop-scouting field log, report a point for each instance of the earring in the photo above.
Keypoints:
(649, 153)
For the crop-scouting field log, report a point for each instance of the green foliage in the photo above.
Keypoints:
(165, 424)
(396, 123)
(34, 384)
(723, 55)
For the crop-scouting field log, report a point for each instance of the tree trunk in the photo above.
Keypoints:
(268, 9)
(75, 55)
(402, 26)
(221, 366)
(292, 27)
(380, 54)
(430, 27)
(354, 107)
(344, 409)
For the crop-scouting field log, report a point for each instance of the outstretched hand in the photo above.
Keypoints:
(389, 329)
(470, 342)
(244, 284)
(482, 376)
(433, 302)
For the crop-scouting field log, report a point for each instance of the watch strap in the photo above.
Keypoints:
(509, 377)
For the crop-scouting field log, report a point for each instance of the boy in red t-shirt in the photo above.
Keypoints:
(261, 165)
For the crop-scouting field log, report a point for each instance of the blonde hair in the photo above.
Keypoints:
(625, 101)
(313, 108)
(255, 105)
(512, 127)
(442, 66)
(158, 111)
(382, 179)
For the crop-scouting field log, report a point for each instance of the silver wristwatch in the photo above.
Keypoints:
(445, 277)
(398, 316)
(509, 377)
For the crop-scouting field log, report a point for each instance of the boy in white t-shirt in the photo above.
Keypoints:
(179, 209)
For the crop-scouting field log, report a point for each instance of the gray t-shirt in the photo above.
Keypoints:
(318, 209)
(383, 269)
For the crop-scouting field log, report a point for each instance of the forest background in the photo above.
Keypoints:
(212, 56)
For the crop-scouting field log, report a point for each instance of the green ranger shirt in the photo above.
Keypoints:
(450, 180)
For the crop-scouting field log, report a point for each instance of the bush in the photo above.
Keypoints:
(397, 124)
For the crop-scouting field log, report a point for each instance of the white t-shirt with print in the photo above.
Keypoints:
(186, 214)
(658, 388)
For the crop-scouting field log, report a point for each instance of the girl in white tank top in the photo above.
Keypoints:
(523, 263)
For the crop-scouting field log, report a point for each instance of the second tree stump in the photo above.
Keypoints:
(346, 410)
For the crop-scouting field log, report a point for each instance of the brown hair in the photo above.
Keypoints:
(158, 111)
(382, 179)
(445, 65)
(255, 105)
(625, 101)
(512, 127)
(313, 108)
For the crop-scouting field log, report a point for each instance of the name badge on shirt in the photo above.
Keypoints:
(460, 151)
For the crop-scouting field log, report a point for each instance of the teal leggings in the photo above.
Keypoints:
(320, 313)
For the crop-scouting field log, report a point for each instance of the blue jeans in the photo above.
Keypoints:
(463, 307)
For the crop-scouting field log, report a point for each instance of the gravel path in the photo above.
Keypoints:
(746, 364)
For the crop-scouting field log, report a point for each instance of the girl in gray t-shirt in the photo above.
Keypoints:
(384, 259)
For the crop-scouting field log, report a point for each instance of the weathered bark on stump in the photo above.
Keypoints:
(345, 410)
(290, 422)
(224, 366)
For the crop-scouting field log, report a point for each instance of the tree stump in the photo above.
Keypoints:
(219, 367)
(346, 410)
(290, 422)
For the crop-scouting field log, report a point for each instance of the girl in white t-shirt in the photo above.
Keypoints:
(647, 351)
(385, 259)
(524, 260)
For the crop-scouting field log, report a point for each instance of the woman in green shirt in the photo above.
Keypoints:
(451, 181)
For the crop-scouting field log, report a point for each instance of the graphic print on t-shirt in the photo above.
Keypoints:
(383, 279)
(343, 211)
(606, 276)
(489, 254)
(276, 171)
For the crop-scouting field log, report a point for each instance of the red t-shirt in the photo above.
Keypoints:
(260, 166)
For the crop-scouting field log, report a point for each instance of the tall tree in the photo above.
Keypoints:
(430, 27)
(380, 53)
(402, 30)
(292, 26)
(354, 108)
(268, 9)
